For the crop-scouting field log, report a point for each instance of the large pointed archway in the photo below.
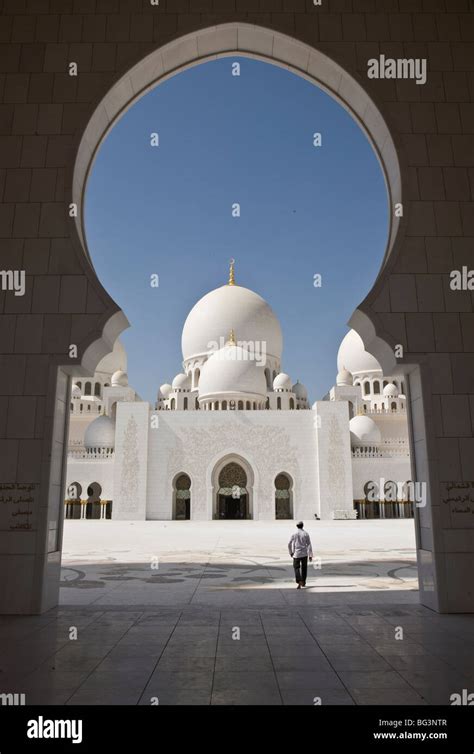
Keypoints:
(182, 497)
(232, 489)
(71, 307)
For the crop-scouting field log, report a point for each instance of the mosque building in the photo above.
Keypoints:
(232, 436)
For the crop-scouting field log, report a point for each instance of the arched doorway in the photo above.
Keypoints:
(232, 499)
(283, 496)
(182, 498)
(93, 505)
(73, 500)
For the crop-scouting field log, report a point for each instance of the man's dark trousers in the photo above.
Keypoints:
(301, 568)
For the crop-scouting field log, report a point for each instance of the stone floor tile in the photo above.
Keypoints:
(310, 679)
(305, 696)
(244, 680)
(389, 697)
(234, 697)
(377, 679)
(198, 679)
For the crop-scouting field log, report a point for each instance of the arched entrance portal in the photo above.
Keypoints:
(283, 496)
(93, 507)
(182, 498)
(73, 500)
(232, 493)
(438, 460)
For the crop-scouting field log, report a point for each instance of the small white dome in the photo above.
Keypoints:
(232, 370)
(344, 378)
(354, 439)
(182, 382)
(164, 391)
(100, 433)
(75, 391)
(364, 429)
(119, 379)
(390, 390)
(353, 356)
(282, 382)
(300, 391)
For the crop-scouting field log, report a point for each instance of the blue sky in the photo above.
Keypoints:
(304, 210)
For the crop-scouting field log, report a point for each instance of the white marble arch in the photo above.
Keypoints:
(212, 480)
(291, 481)
(175, 478)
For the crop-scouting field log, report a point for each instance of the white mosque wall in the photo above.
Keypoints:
(392, 425)
(77, 429)
(333, 457)
(112, 395)
(152, 448)
(374, 469)
(131, 461)
(84, 470)
(265, 442)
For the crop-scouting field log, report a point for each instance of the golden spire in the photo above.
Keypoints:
(231, 340)
(231, 272)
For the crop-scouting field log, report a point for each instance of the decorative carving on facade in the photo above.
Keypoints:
(130, 472)
(259, 445)
(335, 461)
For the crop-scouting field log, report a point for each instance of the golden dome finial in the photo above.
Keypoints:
(232, 341)
(231, 272)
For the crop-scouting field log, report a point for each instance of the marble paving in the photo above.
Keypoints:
(234, 563)
(194, 613)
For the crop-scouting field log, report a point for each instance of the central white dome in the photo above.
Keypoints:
(230, 371)
(227, 308)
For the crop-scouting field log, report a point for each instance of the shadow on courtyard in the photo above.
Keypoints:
(243, 584)
(365, 648)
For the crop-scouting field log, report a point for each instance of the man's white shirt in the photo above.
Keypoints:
(299, 545)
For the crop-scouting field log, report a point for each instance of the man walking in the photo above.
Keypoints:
(300, 550)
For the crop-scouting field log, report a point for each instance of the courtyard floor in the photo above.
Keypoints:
(208, 613)
(234, 563)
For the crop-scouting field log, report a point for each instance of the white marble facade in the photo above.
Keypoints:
(231, 436)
